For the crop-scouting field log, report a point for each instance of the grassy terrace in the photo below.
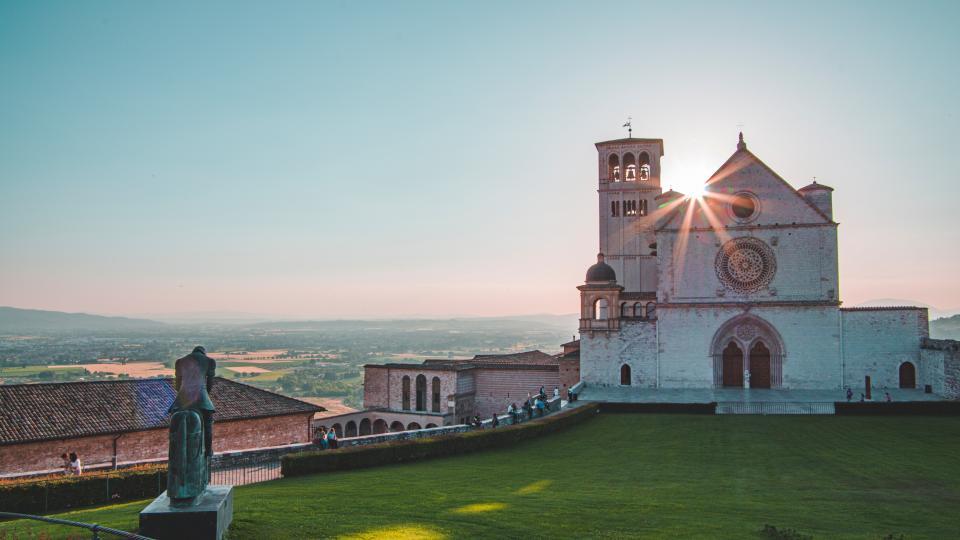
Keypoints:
(629, 476)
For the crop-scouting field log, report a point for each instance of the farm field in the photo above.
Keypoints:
(132, 369)
(628, 476)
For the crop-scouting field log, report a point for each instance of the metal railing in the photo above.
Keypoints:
(775, 407)
(94, 529)
(259, 470)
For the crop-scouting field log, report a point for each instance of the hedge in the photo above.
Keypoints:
(659, 408)
(68, 492)
(923, 408)
(357, 457)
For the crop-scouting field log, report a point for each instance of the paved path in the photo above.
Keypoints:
(708, 395)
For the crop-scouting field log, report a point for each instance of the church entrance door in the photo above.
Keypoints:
(759, 366)
(733, 365)
(908, 375)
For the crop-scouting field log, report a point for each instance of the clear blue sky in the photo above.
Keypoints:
(387, 159)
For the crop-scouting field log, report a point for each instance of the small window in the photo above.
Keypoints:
(615, 208)
(625, 375)
(651, 310)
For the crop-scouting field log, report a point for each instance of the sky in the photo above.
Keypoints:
(393, 159)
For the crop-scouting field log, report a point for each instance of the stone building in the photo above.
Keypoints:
(126, 421)
(443, 392)
(736, 287)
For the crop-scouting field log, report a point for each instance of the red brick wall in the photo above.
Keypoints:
(145, 445)
(497, 388)
(569, 373)
(375, 382)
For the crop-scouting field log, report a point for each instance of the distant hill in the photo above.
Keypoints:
(16, 320)
(935, 312)
(945, 328)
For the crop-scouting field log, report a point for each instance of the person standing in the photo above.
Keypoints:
(556, 392)
(495, 421)
(849, 394)
(76, 468)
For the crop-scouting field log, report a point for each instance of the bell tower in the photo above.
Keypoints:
(628, 183)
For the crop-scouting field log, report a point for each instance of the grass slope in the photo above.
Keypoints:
(632, 476)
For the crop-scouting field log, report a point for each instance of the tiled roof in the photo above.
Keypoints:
(526, 357)
(39, 412)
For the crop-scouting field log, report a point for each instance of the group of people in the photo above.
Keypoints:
(325, 438)
(537, 403)
(886, 396)
(71, 464)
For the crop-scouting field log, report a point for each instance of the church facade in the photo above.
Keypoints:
(737, 287)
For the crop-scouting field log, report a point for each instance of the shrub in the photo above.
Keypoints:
(67, 492)
(357, 457)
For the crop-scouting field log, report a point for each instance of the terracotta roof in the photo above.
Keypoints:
(881, 308)
(526, 357)
(50, 411)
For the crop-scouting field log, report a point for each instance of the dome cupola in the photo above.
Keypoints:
(601, 272)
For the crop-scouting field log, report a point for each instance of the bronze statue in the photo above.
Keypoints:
(191, 428)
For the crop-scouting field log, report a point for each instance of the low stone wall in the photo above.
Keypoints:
(555, 404)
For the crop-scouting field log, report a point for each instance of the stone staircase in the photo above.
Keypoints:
(774, 407)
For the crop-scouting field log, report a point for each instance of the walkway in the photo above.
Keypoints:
(620, 394)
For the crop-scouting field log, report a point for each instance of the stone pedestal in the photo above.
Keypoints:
(208, 519)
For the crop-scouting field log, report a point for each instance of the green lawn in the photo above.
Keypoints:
(633, 476)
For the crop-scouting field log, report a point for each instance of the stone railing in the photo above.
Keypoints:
(553, 405)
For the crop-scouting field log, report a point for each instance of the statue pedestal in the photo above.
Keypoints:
(208, 519)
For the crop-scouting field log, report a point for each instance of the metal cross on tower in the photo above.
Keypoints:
(629, 126)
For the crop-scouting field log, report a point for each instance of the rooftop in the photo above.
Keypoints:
(51, 411)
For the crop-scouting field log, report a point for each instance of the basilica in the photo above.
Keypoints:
(734, 287)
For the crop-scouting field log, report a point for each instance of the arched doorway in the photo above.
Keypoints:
(380, 426)
(364, 427)
(759, 365)
(396, 426)
(747, 343)
(733, 365)
(413, 425)
(908, 375)
(625, 375)
(351, 430)
(429, 426)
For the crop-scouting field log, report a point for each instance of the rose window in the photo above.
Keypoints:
(745, 264)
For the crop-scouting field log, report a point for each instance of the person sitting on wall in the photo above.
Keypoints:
(477, 423)
(76, 467)
(556, 392)
(332, 438)
(528, 408)
(540, 406)
(886, 397)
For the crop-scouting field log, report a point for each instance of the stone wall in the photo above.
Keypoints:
(940, 366)
(603, 353)
(876, 341)
(152, 445)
